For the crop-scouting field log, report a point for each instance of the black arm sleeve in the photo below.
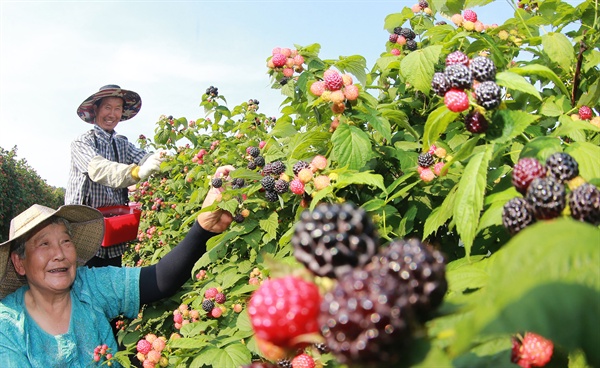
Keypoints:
(164, 278)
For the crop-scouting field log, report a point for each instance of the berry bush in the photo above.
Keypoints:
(399, 192)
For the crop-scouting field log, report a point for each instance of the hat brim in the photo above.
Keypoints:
(87, 225)
(132, 103)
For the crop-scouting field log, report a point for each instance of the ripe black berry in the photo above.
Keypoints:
(281, 186)
(584, 202)
(284, 363)
(475, 122)
(277, 167)
(546, 197)
(299, 166)
(420, 268)
(397, 30)
(440, 84)
(254, 151)
(217, 182)
(516, 215)
(259, 161)
(488, 95)
(459, 76)
(425, 159)
(212, 91)
(423, 4)
(408, 34)
(334, 238)
(322, 348)
(268, 182)
(562, 166)
(483, 69)
(411, 45)
(525, 170)
(271, 196)
(208, 305)
(251, 165)
(347, 323)
(268, 169)
(237, 183)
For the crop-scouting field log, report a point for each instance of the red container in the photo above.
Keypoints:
(120, 224)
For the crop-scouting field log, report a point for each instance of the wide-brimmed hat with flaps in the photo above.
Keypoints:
(132, 102)
(87, 226)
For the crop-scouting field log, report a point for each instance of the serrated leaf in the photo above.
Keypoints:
(469, 197)
(230, 356)
(300, 145)
(544, 72)
(440, 214)
(513, 123)
(269, 226)
(591, 97)
(541, 148)
(188, 343)
(283, 129)
(418, 67)
(365, 178)
(229, 205)
(535, 280)
(351, 146)
(573, 128)
(436, 124)
(558, 48)
(587, 156)
(379, 123)
(516, 82)
(355, 65)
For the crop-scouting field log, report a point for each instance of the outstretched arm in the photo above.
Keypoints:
(163, 279)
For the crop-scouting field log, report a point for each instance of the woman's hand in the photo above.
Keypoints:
(219, 220)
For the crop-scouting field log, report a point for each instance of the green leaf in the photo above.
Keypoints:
(269, 226)
(516, 82)
(418, 67)
(440, 214)
(591, 97)
(535, 280)
(351, 146)
(301, 145)
(469, 197)
(355, 65)
(541, 148)
(558, 48)
(542, 71)
(188, 343)
(231, 356)
(513, 123)
(365, 178)
(379, 123)
(587, 155)
(283, 129)
(436, 124)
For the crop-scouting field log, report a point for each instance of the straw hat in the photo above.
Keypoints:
(132, 102)
(87, 225)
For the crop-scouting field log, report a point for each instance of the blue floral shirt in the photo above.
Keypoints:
(98, 295)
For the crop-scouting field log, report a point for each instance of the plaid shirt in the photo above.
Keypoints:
(82, 190)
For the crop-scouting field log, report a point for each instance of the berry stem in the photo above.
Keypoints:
(582, 49)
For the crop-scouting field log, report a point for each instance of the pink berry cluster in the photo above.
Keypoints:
(286, 61)
(256, 277)
(184, 315)
(148, 234)
(310, 173)
(149, 351)
(336, 88)
(201, 275)
(469, 22)
(199, 157)
(101, 353)
(421, 7)
(213, 302)
(431, 163)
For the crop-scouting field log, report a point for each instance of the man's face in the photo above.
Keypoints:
(108, 113)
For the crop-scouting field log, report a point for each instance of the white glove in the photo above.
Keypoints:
(151, 165)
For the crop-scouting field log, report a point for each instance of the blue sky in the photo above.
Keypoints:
(54, 54)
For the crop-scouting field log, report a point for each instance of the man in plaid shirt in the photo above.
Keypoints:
(104, 164)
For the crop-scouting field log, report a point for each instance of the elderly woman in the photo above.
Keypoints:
(53, 313)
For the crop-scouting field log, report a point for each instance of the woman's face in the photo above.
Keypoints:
(50, 260)
(109, 112)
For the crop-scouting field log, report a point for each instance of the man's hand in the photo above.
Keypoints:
(151, 165)
(218, 220)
